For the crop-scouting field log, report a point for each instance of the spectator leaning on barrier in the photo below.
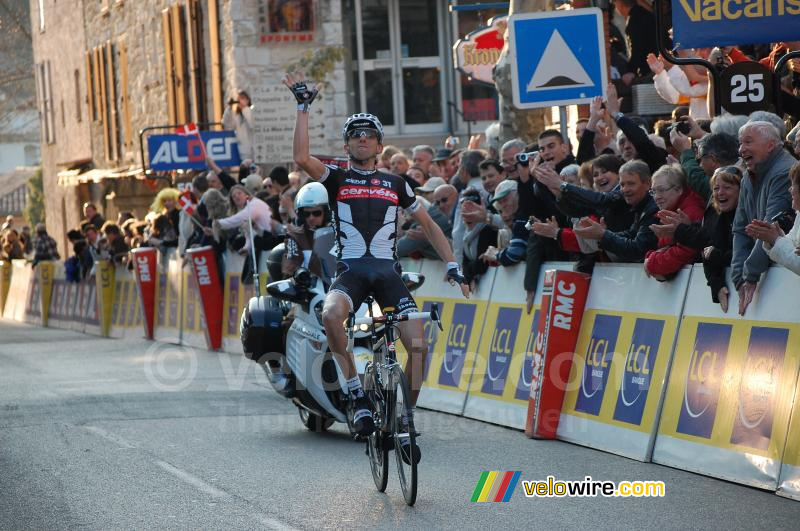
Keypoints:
(114, 248)
(629, 245)
(714, 233)
(784, 249)
(764, 195)
(506, 200)
(11, 248)
(673, 195)
(45, 247)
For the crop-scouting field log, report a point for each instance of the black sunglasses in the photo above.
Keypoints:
(359, 133)
(314, 213)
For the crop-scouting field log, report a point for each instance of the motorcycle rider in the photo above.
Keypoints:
(311, 205)
(364, 205)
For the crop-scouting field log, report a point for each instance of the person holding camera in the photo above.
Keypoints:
(238, 117)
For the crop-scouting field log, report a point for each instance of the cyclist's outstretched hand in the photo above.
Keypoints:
(454, 275)
(296, 82)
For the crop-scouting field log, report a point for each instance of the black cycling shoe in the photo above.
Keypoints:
(363, 423)
(408, 451)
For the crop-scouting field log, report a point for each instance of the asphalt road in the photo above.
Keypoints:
(111, 434)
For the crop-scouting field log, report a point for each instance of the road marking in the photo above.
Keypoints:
(116, 439)
(193, 481)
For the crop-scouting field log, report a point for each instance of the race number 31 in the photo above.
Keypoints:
(746, 87)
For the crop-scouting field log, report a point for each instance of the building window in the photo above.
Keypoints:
(41, 15)
(45, 99)
(77, 76)
(32, 155)
(182, 28)
(397, 61)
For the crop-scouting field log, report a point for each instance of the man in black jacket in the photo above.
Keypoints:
(628, 245)
(640, 32)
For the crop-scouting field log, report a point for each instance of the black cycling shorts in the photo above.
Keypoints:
(360, 277)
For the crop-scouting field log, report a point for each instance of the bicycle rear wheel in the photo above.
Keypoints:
(405, 438)
(376, 447)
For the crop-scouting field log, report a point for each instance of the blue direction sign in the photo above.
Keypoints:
(557, 57)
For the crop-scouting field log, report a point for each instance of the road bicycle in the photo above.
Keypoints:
(386, 386)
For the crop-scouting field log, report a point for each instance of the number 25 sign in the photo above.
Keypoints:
(747, 87)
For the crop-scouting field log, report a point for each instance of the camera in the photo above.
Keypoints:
(785, 220)
(682, 127)
(525, 158)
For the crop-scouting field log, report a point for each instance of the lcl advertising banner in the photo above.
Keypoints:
(204, 268)
(732, 383)
(562, 314)
(145, 261)
(5, 282)
(45, 271)
(621, 362)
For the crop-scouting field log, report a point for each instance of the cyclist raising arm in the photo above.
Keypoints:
(364, 205)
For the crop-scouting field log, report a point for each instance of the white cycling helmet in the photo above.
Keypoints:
(362, 120)
(311, 194)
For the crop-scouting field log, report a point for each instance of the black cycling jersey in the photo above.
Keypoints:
(364, 207)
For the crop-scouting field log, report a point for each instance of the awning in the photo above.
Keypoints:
(76, 177)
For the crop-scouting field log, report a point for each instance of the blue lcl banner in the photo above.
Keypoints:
(501, 350)
(704, 379)
(455, 352)
(707, 23)
(599, 355)
(639, 363)
(180, 152)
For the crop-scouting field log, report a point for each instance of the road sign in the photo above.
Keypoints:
(746, 87)
(557, 57)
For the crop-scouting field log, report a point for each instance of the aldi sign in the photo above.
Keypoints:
(181, 152)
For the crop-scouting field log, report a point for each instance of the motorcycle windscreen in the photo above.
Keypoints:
(325, 250)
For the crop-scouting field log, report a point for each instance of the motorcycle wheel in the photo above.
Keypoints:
(314, 422)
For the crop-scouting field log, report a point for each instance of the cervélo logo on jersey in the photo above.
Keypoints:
(367, 192)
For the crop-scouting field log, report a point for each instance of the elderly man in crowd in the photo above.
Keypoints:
(764, 195)
(632, 244)
(422, 157)
(413, 242)
(714, 151)
(446, 164)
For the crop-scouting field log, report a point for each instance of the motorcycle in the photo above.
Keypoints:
(283, 332)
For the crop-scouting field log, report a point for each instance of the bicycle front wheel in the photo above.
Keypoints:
(376, 446)
(405, 437)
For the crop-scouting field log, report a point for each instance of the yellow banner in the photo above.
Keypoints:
(45, 272)
(105, 294)
(5, 282)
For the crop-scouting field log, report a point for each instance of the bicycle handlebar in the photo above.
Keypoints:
(433, 315)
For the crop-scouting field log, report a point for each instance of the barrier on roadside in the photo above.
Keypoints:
(622, 360)
(204, 292)
(732, 383)
(501, 376)
(789, 481)
(451, 354)
(5, 282)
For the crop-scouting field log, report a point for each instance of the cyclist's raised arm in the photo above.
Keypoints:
(300, 149)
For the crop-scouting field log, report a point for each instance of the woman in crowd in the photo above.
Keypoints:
(419, 175)
(670, 188)
(164, 219)
(238, 117)
(714, 235)
(783, 249)
(247, 207)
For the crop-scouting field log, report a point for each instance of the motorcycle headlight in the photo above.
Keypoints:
(318, 311)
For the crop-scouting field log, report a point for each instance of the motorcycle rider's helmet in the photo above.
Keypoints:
(362, 120)
(312, 194)
(274, 260)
